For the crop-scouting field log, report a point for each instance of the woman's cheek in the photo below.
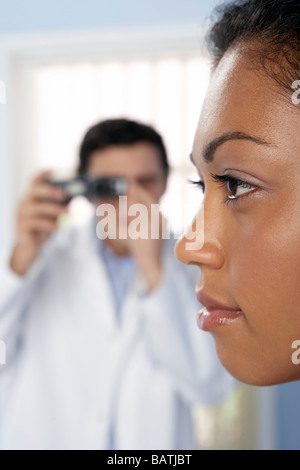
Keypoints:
(264, 269)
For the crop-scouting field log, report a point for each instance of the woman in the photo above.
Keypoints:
(247, 153)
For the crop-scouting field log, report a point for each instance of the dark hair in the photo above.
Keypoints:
(273, 24)
(119, 132)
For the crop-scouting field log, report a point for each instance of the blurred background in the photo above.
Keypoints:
(65, 65)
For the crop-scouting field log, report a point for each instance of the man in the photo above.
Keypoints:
(102, 346)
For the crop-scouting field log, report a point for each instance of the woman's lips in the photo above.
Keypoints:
(214, 314)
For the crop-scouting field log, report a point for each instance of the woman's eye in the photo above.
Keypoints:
(236, 188)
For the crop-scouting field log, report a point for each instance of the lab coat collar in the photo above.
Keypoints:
(87, 258)
(86, 253)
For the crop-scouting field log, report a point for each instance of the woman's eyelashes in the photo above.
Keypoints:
(235, 187)
(199, 184)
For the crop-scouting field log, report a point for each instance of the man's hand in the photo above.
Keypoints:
(36, 222)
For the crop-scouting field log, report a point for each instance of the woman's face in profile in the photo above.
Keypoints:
(247, 153)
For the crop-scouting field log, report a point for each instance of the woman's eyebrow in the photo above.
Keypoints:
(210, 149)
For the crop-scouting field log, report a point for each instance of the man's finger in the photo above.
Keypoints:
(45, 191)
(41, 177)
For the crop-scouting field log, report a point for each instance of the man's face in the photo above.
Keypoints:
(139, 164)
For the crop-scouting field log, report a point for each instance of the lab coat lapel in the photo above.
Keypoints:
(94, 280)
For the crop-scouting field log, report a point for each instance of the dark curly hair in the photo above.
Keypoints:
(271, 29)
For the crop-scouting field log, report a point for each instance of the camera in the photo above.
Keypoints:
(96, 188)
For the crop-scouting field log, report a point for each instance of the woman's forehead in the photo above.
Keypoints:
(242, 98)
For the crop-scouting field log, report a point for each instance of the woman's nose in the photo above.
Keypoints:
(200, 245)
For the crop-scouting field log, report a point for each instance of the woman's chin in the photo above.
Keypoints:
(256, 370)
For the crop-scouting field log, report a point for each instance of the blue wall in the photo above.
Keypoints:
(19, 16)
(36, 15)
(288, 431)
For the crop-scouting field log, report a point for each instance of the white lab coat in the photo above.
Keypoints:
(74, 372)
